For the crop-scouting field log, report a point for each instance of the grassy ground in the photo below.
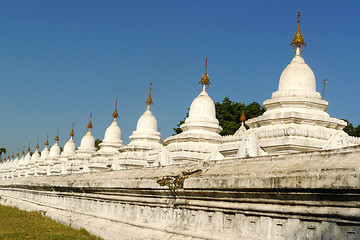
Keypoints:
(18, 224)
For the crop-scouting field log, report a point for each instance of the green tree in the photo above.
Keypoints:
(97, 142)
(2, 150)
(228, 113)
(351, 130)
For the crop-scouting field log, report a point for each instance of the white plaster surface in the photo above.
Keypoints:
(295, 196)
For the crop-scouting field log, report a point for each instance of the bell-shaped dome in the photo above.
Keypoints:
(14, 163)
(202, 108)
(27, 159)
(146, 133)
(87, 142)
(35, 156)
(20, 162)
(113, 133)
(44, 152)
(297, 76)
(69, 147)
(147, 122)
(54, 150)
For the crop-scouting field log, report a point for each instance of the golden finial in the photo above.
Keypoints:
(57, 135)
(12, 156)
(298, 41)
(23, 152)
(72, 131)
(243, 117)
(29, 147)
(47, 140)
(115, 113)
(149, 100)
(37, 145)
(205, 78)
(89, 126)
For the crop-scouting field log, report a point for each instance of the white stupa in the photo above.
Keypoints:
(295, 119)
(27, 158)
(2, 166)
(145, 138)
(200, 136)
(101, 160)
(8, 166)
(69, 147)
(68, 152)
(2, 162)
(18, 165)
(53, 157)
(80, 162)
(242, 143)
(34, 159)
(38, 168)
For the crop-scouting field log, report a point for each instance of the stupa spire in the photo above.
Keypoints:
(29, 147)
(89, 126)
(242, 116)
(47, 140)
(115, 113)
(205, 78)
(298, 40)
(37, 145)
(57, 136)
(72, 131)
(149, 100)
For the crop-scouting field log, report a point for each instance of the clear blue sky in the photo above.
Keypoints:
(61, 60)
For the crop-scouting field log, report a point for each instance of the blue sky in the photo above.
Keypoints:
(61, 60)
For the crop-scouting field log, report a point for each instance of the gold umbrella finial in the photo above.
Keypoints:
(47, 139)
(29, 147)
(149, 100)
(89, 126)
(205, 78)
(242, 116)
(298, 40)
(115, 113)
(57, 135)
(72, 131)
(37, 145)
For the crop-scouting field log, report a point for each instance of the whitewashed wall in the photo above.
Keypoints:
(297, 196)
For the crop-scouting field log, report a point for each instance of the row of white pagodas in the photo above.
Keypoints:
(144, 140)
(85, 159)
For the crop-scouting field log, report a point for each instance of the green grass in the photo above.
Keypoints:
(18, 224)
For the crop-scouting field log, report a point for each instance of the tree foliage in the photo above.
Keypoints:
(2, 151)
(97, 142)
(228, 113)
(351, 130)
